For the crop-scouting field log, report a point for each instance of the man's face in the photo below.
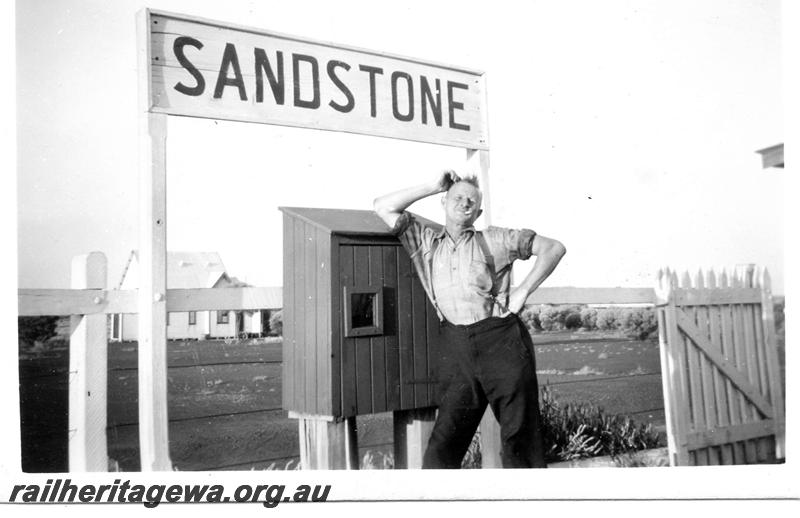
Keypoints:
(462, 204)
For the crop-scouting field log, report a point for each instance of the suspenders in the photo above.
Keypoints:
(484, 246)
(487, 254)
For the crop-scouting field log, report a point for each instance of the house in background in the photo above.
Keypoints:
(187, 270)
(771, 156)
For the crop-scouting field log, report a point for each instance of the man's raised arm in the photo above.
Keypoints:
(390, 206)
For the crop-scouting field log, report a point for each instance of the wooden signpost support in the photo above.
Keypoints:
(152, 335)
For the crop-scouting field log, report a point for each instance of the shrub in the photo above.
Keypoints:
(632, 460)
(589, 319)
(472, 459)
(638, 323)
(548, 318)
(276, 323)
(778, 311)
(573, 321)
(558, 317)
(566, 311)
(530, 317)
(377, 460)
(608, 319)
(572, 431)
(582, 430)
(780, 325)
(36, 329)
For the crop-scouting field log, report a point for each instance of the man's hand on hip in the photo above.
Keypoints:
(516, 300)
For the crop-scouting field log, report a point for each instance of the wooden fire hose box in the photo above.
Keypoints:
(359, 332)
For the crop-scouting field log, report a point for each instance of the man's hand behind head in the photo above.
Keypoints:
(446, 179)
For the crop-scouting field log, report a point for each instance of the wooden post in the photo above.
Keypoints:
(88, 372)
(327, 442)
(412, 429)
(663, 297)
(152, 350)
(696, 419)
(773, 366)
(672, 370)
(490, 440)
(478, 161)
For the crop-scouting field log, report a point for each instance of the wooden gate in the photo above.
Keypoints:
(722, 382)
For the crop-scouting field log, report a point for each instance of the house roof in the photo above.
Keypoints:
(346, 221)
(771, 156)
(187, 269)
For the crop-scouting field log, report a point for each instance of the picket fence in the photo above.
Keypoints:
(720, 369)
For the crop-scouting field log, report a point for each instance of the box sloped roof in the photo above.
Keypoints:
(346, 221)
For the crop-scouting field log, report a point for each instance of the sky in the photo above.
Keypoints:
(627, 130)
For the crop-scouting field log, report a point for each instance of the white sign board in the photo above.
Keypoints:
(206, 69)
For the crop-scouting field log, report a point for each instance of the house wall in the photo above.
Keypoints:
(178, 328)
(252, 322)
(222, 330)
(130, 327)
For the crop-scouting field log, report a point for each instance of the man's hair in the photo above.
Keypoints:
(472, 180)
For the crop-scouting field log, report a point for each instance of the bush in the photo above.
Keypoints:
(608, 319)
(36, 329)
(589, 319)
(638, 323)
(778, 311)
(559, 317)
(548, 318)
(582, 430)
(780, 325)
(573, 321)
(276, 323)
(572, 431)
(530, 317)
(569, 310)
(472, 459)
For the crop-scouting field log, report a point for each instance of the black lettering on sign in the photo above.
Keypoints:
(230, 59)
(427, 97)
(453, 105)
(372, 71)
(351, 102)
(275, 83)
(177, 48)
(410, 87)
(296, 59)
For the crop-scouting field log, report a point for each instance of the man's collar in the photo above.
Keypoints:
(443, 232)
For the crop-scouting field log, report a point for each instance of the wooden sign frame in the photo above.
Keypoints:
(429, 102)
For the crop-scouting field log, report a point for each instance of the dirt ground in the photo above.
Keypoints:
(225, 399)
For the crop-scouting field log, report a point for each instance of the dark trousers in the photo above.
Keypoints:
(489, 362)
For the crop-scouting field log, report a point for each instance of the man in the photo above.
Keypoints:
(487, 353)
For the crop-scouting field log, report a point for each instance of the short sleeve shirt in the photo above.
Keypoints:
(459, 280)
